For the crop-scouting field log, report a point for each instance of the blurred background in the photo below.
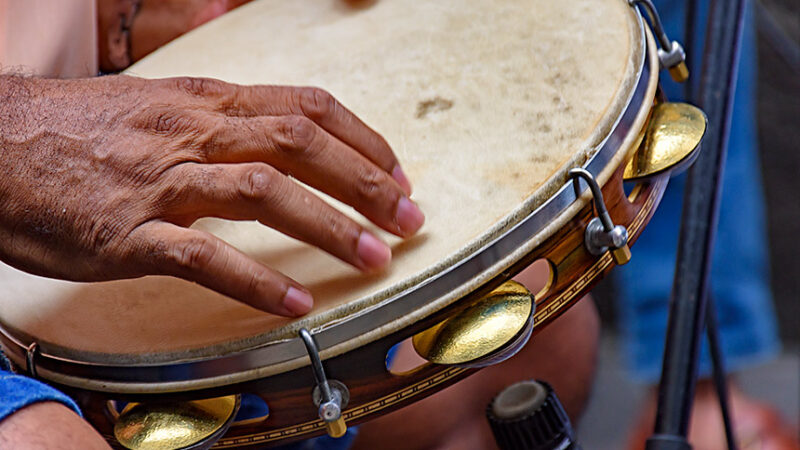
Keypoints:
(778, 382)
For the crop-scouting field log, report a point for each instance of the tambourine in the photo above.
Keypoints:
(517, 121)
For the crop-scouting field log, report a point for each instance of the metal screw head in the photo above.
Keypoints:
(337, 428)
(619, 236)
(674, 60)
(621, 255)
(595, 237)
(679, 73)
(330, 411)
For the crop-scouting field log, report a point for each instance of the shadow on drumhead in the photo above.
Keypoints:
(340, 286)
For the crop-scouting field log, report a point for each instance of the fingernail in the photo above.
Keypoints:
(372, 252)
(401, 179)
(408, 216)
(297, 301)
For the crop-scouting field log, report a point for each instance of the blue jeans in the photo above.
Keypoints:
(740, 273)
(17, 392)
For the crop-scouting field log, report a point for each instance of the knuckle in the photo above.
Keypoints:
(296, 133)
(317, 103)
(198, 87)
(192, 254)
(169, 122)
(101, 235)
(182, 188)
(211, 138)
(341, 230)
(369, 185)
(171, 194)
(257, 184)
(257, 284)
(231, 102)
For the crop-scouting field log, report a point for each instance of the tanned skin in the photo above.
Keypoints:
(102, 177)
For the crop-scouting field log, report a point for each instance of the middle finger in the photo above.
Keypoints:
(298, 147)
(256, 191)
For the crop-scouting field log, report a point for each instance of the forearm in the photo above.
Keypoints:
(32, 105)
(48, 425)
(19, 117)
(29, 106)
(15, 93)
(38, 162)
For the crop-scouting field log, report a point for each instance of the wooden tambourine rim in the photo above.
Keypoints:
(375, 391)
(294, 418)
(113, 379)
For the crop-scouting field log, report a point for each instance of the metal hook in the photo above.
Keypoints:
(597, 194)
(329, 396)
(30, 359)
(316, 364)
(671, 53)
(601, 234)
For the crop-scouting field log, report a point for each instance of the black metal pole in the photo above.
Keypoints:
(712, 328)
(689, 45)
(718, 370)
(696, 239)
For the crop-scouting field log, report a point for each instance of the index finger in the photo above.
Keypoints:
(193, 255)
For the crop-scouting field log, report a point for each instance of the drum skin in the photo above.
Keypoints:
(487, 106)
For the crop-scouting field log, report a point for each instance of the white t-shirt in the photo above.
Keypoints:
(50, 38)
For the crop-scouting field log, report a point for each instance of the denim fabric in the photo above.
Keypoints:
(17, 392)
(739, 275)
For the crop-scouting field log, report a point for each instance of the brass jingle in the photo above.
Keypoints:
(179, 425)
(481, 330)
(670, 142)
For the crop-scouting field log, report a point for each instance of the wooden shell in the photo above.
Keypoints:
(373, 389)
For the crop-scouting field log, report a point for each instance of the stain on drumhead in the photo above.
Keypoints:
(432, 106)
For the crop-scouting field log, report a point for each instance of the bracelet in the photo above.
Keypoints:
(116, 20)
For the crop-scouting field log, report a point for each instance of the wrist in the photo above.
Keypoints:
(15, 93)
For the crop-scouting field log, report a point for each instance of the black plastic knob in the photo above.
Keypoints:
(528, 416)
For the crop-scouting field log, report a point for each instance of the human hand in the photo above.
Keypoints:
(160, 21)
(101, 179)
(130, 29)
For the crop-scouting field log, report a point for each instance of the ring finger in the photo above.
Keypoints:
(299, 147)
(256, 191)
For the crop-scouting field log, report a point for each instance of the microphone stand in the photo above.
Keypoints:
(689, 301)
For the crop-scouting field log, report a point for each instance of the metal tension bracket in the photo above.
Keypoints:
(30, 359)
(601, 233)
(671, 53)
(329, 396)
